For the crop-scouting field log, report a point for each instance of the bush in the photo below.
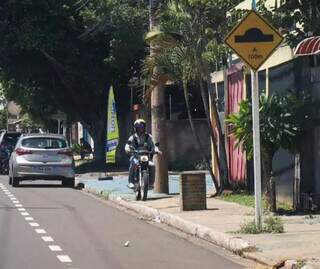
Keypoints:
(270, 224)
(273, 225)
(202, 165)
(249, 228)
(76, 149)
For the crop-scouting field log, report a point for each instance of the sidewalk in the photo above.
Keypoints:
(218, 224)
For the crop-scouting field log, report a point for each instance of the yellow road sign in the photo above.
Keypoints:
(254, 40)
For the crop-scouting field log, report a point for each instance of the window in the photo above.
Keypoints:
(44, 143)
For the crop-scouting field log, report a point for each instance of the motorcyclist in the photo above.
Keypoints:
(140, 140)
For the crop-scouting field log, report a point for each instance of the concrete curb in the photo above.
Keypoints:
(230, 242)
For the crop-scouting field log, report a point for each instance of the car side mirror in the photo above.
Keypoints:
(129, 142)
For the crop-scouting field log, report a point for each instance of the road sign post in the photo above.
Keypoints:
(256, 147)
(254, 40)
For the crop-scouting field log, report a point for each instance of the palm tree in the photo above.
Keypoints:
(189, 24)
(176, 63)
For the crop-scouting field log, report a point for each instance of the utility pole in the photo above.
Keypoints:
(158, 111)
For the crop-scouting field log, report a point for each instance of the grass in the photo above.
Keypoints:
(242, 199)
(271, 224)
(248, 200)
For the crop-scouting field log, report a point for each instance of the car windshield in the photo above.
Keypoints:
(44, 143)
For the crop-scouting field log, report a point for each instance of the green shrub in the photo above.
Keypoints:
(273, 225)
(202, 165)
(249, 228)
(76, 149)
(270, 224)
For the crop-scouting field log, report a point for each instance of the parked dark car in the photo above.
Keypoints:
(8, 141)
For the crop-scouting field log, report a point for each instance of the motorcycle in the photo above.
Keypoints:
(142, 175)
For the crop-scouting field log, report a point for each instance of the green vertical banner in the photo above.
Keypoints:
(112, 129)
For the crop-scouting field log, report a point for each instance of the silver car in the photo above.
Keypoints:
(41, 156)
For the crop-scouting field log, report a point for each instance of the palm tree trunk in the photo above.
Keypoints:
(158, 114)
(197, 138)
(225, 178)
(213, 138)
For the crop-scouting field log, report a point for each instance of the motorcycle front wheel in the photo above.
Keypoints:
(145, 186)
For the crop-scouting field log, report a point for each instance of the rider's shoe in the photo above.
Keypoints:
(130, 185)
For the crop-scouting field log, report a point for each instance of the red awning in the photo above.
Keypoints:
(309, 46)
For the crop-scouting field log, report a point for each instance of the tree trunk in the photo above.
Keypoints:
(213, 138)
(268, 180)
(223, 160)
(197, 138)
(158, 114)
(296, 184)
(98, 133)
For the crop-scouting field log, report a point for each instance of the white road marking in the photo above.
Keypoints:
(55, 248)
(47, 238)
(40, 231)
(64, 258)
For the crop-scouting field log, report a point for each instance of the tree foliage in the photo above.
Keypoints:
(283, 122)
(63, 55)
(298, 19)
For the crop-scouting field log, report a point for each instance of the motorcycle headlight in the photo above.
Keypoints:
(144, 158)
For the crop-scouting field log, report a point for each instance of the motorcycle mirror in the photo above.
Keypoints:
(157, 144)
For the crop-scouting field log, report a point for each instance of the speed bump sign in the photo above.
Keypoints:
(254, 40)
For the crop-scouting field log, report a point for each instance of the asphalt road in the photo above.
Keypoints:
(46, 226)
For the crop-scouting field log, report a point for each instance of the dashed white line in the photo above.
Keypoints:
(24, 213)
(40, 231)
(55, 248)
(64, 258)
(47, 238)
